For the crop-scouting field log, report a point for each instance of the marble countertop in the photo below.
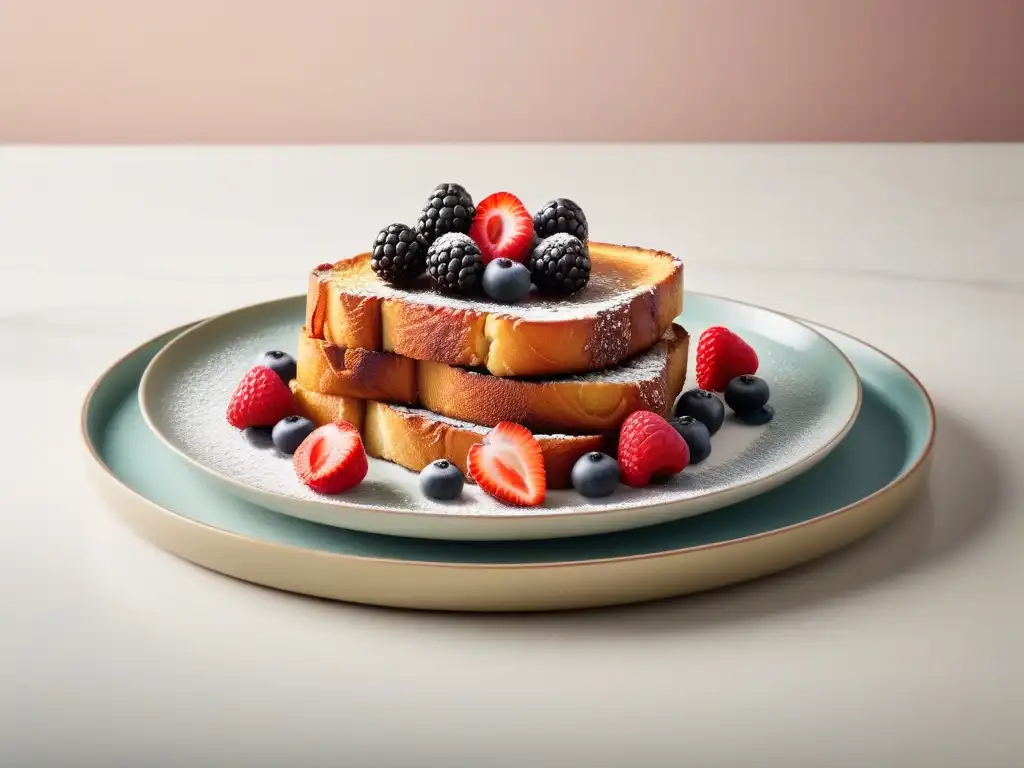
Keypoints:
(906, 649)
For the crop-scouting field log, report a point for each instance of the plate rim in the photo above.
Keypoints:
(495, 520)
(103, 474)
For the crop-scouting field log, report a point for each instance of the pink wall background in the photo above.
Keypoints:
(382, 70)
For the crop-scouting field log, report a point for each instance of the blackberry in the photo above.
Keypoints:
(449, 209)
(398, 256)
(561, 215)
(560, 264)
(455, 263)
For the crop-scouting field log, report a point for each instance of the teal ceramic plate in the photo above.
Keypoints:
(815, 392)
(875, 470)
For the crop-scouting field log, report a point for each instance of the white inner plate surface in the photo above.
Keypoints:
(814, 389)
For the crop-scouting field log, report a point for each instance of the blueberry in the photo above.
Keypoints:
(289, 433)
(441, 480)
(757, 418)
(746, 394)
(506, 281)
(703, 406)
(696, 435)
(280, 363)
(595, 474)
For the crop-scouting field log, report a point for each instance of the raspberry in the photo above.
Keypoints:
(261, 399)
(722, 356)
(650, 447)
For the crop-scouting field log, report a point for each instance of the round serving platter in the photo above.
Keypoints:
(815, 392)
(873, 472)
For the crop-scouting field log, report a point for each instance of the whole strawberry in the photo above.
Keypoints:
(261, 399)
(650, 447)
(722, 356)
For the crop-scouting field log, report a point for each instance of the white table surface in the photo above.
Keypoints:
(906, 649)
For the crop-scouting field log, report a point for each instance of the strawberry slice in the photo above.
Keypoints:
(261, 399)
(509, 466)
(331, 459)
(502, 228)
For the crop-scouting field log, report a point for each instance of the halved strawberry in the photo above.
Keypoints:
(331, 459)
(261, 399)
(502, 228)
(508, 465)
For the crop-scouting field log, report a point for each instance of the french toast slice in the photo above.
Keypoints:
(365, 374)
(414, 437)
(322, 409)
(597, 401)
(633, 296)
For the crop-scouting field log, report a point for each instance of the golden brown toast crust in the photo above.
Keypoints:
(415, 438)
(334, 370)
(324, 409)
(633, 296)
(578, 404)
(586, 403)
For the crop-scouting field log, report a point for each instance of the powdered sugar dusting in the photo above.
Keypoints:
(609, 340)
(420, 413)
(656, 401)
(646, 366)
(612, 285)
(643, 367)
(469, 426)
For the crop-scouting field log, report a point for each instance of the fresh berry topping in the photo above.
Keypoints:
(696, 435)
(703, 406)
(289, 433)
(331, 459)
(261, 399)
(449, 209)
(560, 265)
(758, 418)
(650, 449)
(595, 474)
(441, 480)
(509, 466)
(502, 227)
(455, 263)
(506, 281)
(280, 363)
(721, 356)
(561, 215)
(746, 393)
(397, 256)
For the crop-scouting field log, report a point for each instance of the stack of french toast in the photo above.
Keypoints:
(424, 345)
